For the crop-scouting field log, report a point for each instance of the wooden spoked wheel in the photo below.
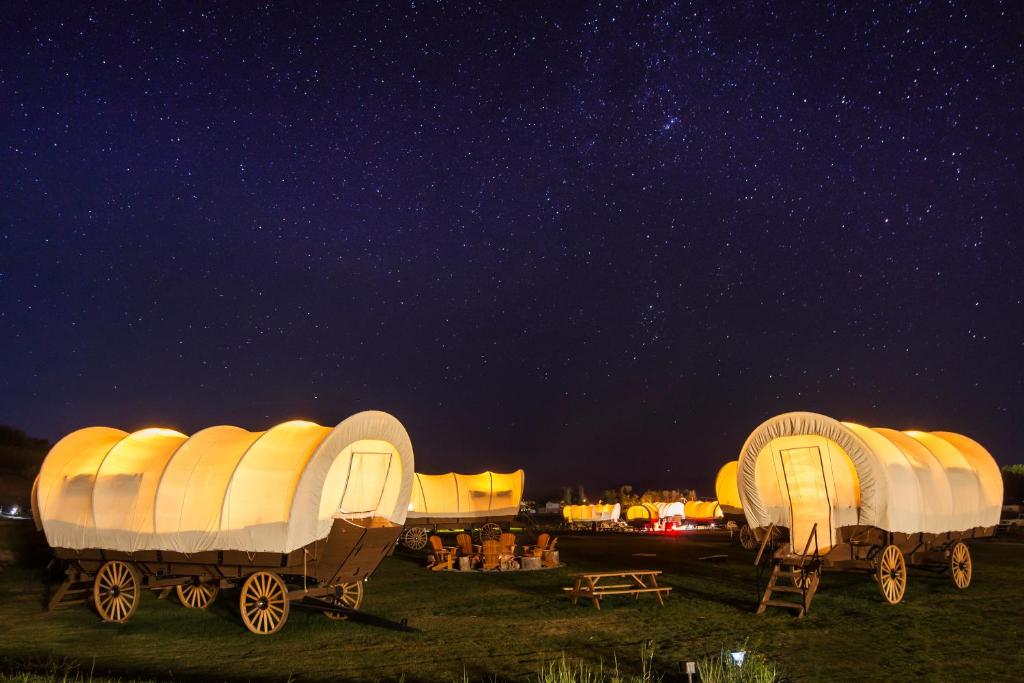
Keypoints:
(960, 564)
(348, 595)
(892, 574)
(197, 594)
(489, 532)
(748, 541)
(264, 603)
(415, 538)
(116, 591)
(803, 579)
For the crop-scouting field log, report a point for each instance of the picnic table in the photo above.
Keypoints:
(589, 586)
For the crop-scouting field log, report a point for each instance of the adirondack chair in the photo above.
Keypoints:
(443, 557)
(467, 549)
(491, 554)
(548, 557)
(508, 544)
(507, 560)
(538, 549)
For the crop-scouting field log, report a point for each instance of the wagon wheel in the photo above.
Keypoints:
(488, 532)
(892, 574)
(115, 592)
(196, 594)
(748, 541)
(348, 595)
(803, 580)
(960, 564)
(264, 603)
(415, 538)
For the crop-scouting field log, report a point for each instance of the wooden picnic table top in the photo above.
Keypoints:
(626, 572)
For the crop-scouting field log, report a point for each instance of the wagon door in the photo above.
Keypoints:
(804, 482)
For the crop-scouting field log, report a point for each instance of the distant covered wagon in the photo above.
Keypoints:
(703, 511)
(486, 503)
(871, 498)
(732, 509)
(598, 516)
(642, 514)
(298, 513)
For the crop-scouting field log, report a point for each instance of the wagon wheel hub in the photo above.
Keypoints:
(262, 603)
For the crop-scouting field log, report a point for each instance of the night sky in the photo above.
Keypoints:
(598, 242)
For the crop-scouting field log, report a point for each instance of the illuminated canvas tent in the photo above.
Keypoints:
(675, 509)
(591, 513)
(223, 488)
(840, 474)
(642, 512)
(452, 496)
(703, 510)
(726, 490)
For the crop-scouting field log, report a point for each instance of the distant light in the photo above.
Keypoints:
(15, 509)
(738, 657)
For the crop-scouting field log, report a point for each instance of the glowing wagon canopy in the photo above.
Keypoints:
(591, 513)
(642, 512)
(466, 496)
(726, 490)
(703, 510)
(799, 469)
(223, 488)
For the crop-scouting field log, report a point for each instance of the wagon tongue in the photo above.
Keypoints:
(311, 603)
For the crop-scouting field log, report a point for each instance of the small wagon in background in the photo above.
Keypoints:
(854, 497)
(299, 513)
(703, 511)
(485, 504)
(593, 517)
(642, 515)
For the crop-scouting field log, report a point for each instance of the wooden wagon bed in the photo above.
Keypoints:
(327, 575)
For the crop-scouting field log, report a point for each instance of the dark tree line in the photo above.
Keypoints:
(1013, 484)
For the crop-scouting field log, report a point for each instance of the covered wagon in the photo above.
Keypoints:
(732, 509)
(299, 513)
(703, 511)
(485, 503)
(856, 497)
(642, 514)
(599, 516)
(671, 513)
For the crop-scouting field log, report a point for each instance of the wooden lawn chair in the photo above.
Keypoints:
(507, 560)
(443, 556)
(508, 544)
(491, 554)
(538, 549)
(467, 549)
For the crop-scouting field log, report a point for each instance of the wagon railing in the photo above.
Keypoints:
(769, 538)
(813, 536)
(769, 535)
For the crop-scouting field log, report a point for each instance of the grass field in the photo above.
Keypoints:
(506, 625)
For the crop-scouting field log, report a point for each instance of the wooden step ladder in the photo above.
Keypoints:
(74, 590)
(802, 571)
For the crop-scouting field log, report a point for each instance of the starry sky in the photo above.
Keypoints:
(598, 241)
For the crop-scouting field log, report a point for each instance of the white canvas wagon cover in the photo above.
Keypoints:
(802, 468)
(223, 488)
(460, 496)
(673, 509)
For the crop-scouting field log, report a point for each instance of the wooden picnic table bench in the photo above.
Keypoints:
(589, 586)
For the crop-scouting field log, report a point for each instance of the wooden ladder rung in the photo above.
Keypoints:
(786, 589)
(784, 603)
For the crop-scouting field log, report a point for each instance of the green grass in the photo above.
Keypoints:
(514, 626)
